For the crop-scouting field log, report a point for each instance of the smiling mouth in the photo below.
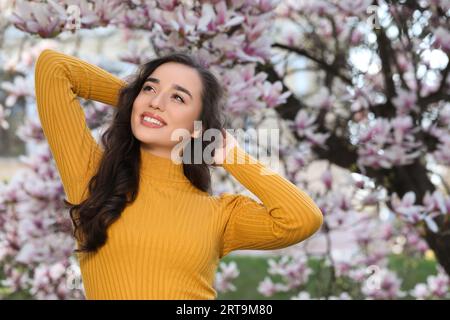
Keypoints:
(151, 122)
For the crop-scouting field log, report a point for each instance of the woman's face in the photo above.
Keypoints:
(172, 93)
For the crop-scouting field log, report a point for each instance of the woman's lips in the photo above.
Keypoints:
(151, 125)
(154, 116)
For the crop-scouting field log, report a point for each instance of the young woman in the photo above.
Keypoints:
(147, 227)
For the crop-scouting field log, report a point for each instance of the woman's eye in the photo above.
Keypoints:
(181, 99)
(147, 87)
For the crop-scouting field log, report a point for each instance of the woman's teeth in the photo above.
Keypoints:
(152, 120)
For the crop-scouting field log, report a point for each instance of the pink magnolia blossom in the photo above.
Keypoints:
(294, 271)
(355, 7)
(218, 18)
(327, 178)
(442, 152)
(17, 89)
(226, 274)
(37, 18)
(303, 295)
(305, 126)
(3, 115)
(272, 94)
(436, 287)
(323, 99)
(383, 284)
(387, 143)
(442, 39)
(420, 291)
(317, 7)
(444, 114)
(407, 207)
(413, 213)
(267, 288)
(405, 101)
(436, 202)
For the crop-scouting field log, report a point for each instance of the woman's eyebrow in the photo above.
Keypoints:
(176, 86)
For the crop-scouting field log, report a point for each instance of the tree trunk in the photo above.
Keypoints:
(440, 243)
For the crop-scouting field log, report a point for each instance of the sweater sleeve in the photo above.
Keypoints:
(286, 216)
(59, 80)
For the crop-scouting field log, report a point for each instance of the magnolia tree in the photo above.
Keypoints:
(375, 107)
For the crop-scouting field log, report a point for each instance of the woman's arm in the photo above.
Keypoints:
(59, 80)
(286, 216)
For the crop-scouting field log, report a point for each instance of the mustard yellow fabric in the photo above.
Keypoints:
(168, 243)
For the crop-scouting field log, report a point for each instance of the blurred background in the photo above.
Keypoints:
(358, 89)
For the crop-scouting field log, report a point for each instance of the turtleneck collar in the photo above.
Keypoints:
(160, 168)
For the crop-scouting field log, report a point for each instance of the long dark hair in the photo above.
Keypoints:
(116, 181)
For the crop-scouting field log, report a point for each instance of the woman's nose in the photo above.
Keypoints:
(158, 102)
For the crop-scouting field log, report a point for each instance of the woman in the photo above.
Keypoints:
(148, 227)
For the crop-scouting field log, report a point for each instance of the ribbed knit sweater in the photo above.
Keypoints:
(168, 243)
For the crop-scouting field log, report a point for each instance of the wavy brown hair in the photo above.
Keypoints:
(116, 182)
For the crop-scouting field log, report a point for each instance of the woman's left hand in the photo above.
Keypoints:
(229, 142)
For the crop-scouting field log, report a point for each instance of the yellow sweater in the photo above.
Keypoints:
(168, 243)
